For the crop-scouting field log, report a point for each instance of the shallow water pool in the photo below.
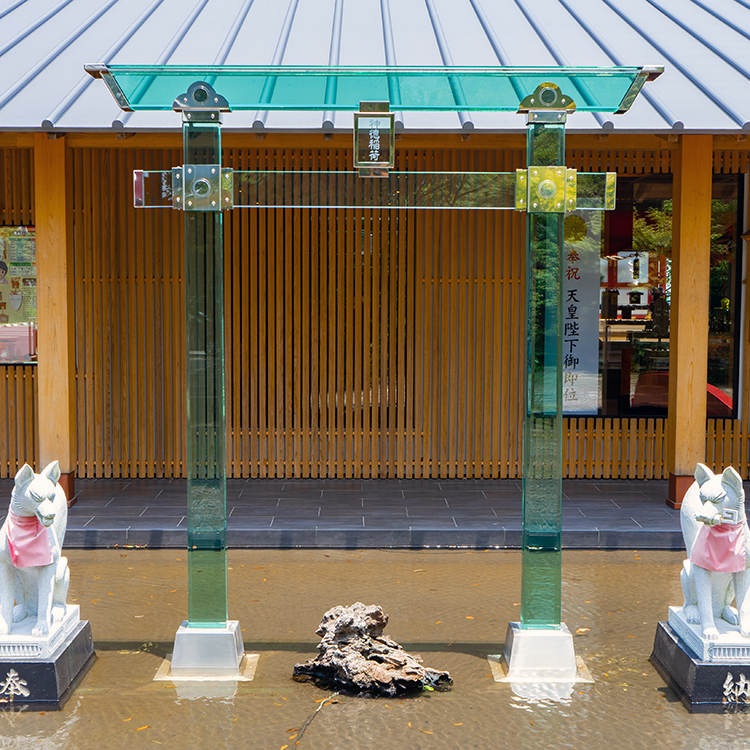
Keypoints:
(452, 607)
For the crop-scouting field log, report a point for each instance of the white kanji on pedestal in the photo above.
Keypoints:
(13, 686)
(736, 692)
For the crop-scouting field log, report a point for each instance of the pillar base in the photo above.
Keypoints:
(539, 663)
(678, 486)
(208, 652)
(540, 655)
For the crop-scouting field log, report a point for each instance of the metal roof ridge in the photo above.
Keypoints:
(728, 60)
(237, 24)
(32, 27)
(394, 89)
(662, 110)
(726, 21)
(445, 54)
(259, 121)
(122, 119)
(11, 8)
(733, 113)
(34, 71)
(87, 80)
(556, 53)
(334, 55)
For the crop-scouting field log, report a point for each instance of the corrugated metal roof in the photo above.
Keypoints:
(704, 46)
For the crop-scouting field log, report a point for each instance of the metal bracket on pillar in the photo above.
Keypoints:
(200, 103)
(547, 104)
(202, 187)
(541, 190)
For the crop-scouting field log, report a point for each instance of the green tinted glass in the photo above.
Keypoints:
(404, 190)
(542, 434)
(206, 450)
(154, 87)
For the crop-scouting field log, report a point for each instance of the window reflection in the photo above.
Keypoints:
(18, 309)
(635, 287)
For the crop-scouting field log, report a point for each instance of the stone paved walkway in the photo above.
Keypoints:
(408, 513)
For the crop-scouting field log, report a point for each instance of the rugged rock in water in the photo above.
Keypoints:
(356, 656)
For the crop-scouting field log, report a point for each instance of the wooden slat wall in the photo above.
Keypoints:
(18, 439)
(129, 320)
(620, 161)
(614, 448)
(16, 189)
(359, 342)
(371, 342)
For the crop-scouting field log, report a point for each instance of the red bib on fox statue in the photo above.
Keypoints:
(29, 541)
(720, 548)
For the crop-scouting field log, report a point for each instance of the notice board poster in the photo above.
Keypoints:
(18, 294)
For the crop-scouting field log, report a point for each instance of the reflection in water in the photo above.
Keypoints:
(543, 691)
(55, 735)
(452, 607)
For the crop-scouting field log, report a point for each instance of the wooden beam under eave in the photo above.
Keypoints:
(16, 140)
(688, 339)
(464, 141)
(605, 141)
(56, 375)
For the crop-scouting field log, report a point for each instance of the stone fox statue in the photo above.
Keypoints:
(33, 572)
(714, 526)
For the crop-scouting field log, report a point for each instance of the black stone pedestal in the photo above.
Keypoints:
(704, 687)
(50, 682)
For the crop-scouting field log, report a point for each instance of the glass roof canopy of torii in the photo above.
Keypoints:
(331, 88)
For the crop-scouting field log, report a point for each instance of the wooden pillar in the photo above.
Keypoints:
(56, 372)
(688, 339)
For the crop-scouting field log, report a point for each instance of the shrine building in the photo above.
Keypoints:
(375, 342)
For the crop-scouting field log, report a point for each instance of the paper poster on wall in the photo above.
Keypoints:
(18, 294)
(581, 274)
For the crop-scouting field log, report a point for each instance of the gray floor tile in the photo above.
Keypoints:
(327, 513)
(377, 493)
(248, 522)
(432, 523)
(478, 512)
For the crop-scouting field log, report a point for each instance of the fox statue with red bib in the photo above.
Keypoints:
(716, 573)
(34, 575)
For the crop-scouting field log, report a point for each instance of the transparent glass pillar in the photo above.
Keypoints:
(542, 435)
(206, 464)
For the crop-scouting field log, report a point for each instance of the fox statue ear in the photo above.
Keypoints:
(732, 480)
(24, 477)
(703, 474)
(52, 471)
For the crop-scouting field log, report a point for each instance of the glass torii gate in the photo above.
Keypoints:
(208, 642)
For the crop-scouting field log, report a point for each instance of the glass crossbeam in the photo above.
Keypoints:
(400, 190)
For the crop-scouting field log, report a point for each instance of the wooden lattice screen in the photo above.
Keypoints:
(359, 343)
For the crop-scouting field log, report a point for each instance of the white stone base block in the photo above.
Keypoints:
(730, 647)
(20, 644)
(539, 664)
(208, 652)
(248, 665)
(539, 655)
